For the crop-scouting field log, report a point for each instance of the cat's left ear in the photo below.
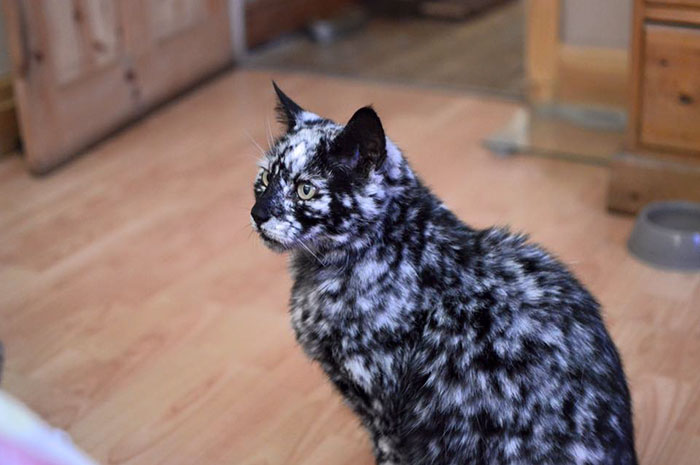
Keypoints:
(288, 112)
(362, 142)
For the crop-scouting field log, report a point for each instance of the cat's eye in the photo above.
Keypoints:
(265, 179)
(305, 191)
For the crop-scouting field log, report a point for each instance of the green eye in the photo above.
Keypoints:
(265, 179)
(305, 191)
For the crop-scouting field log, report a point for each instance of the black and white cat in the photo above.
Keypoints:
(454, 345)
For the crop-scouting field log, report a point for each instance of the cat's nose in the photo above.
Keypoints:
(260, 214)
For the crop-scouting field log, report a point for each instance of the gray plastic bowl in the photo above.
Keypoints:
(667, 234)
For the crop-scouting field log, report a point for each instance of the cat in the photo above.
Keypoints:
(453, 345)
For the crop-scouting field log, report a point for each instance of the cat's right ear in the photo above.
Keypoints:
(362, 143)
(288, 112)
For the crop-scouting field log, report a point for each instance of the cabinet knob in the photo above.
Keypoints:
(685, 99)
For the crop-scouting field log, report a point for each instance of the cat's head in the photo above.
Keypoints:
(321, 184)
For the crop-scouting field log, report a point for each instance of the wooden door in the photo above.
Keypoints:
(82, 68)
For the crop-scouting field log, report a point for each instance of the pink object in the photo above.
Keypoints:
(12, 454)
(25, 439)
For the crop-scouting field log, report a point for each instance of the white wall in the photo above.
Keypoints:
(597, 23)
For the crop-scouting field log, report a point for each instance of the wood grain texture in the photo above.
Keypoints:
(663, 136)
(542, 18)
(9, 131)
(636, 59)
(83, 68)
(638, 179)
(695, 3)
(139, 313)
(683, 16)
(573, 74)
(664, 81)
(593, 76)
(484, 53)
(671, 88)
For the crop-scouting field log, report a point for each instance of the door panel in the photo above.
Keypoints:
(83, 37)
(183, 37)
(101, 31)
(65, 98)
(172, 17)
(82, 68)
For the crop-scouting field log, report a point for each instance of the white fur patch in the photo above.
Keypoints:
(582, 454)
(307, 116)
(358, 371)
(297, 157)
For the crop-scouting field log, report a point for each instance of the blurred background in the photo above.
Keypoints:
(596, 80)
(139, 313)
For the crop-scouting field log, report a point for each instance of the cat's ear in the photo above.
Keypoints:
(288, 112)
(362, 141)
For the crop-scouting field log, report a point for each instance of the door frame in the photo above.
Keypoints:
(542, 47)
(575, 74)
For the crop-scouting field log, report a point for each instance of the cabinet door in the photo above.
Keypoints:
(671, 88)
(82, 68)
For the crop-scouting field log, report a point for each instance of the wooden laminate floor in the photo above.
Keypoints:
(484, 53)
(140, 314)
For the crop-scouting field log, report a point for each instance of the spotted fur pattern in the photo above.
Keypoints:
(453, 345)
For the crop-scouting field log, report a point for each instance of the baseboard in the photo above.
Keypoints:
(636, 180)
(266, 20)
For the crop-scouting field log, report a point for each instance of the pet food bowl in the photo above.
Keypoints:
(667, 234)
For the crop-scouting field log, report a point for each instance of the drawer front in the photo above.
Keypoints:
(671, 88)
(676, 2)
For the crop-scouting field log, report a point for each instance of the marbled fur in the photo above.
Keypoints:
(453, 345)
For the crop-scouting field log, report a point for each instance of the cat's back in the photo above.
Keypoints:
(515, 345)
(518, 304)
(508, 268)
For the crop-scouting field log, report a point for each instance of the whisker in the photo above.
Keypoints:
(247, 225)
(300, 242)
(270, 139)
(255, 157)
(262, 152)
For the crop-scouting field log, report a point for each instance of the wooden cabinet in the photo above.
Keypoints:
(677, 2)
(662, 159)
(82, 68)
(670, 107)
(665, 78)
